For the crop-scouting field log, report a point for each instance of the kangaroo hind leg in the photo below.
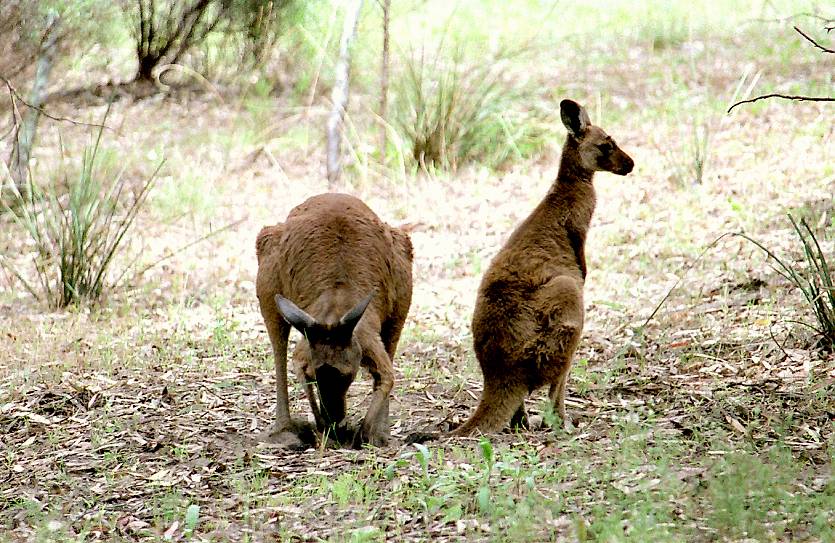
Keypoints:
(520, 418)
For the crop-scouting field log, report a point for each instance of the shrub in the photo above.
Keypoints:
(166, 31)
(77, 227)
(815, 280)
(450, 113)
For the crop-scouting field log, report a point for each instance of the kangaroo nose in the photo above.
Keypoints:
(627, 166)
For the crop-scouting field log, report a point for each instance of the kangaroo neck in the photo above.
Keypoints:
(572, 197)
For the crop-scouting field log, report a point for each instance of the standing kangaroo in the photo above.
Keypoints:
(529, 311)
(343, 278)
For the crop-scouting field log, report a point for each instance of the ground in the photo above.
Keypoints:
(703, 408)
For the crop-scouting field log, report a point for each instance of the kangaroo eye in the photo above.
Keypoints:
(606, 148)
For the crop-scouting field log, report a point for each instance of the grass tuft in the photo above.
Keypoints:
(687, 165)
(76, 227)
(450, 112)
(814, 280)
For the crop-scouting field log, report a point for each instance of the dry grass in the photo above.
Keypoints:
(115, 420)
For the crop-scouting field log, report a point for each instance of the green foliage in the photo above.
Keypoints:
(452, 112)
(814, 280)
(753, 496)
(192, 517)
(77, 227)
(188, 195)
(167, 31)
(76, 22)
(262, 23)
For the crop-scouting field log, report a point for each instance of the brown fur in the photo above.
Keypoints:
(529, 311)
(318, 270)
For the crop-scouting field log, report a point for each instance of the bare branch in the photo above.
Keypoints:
(15, 117)
(785, 97)
(43, 112)
(789, 18)
(813, 42)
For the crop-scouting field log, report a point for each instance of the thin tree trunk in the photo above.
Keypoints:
(339, 97)
(384, 80)
(22, 150)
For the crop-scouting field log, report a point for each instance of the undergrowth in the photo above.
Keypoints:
(814, 279)
(451, 111)
(75, 227)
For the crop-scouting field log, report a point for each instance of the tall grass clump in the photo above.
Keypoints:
(814, 278)
(688, 165)
(450, 112)
(76, 227)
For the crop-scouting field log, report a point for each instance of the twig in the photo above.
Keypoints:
(813, 42)
(43, 112)
(686, 271)
(194, 73)
(188, 245)
(774, 339)
(788, 18)
(785, 97)
(794, 97)
(15, 114)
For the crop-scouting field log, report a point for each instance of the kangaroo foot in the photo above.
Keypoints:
(376, 437)
(340, 434)
(567, 424)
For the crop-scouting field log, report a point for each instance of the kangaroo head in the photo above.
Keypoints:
(335, 352)
(597, 150)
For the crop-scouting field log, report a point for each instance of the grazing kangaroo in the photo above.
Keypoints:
(529, 311)
(343, 278)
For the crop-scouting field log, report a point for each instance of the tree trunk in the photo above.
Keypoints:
(22, 150)
(146, 68)
(339, 96)
(384, 81)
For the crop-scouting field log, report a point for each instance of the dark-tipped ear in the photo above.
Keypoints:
(350, 319)
(574, 117)
(292, 314)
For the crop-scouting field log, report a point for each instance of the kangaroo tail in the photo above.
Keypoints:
(497, 405)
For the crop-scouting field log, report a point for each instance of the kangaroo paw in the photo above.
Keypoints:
(370, 436)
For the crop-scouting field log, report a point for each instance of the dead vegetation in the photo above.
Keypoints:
(713, 420)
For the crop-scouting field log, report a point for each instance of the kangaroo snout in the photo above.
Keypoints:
(626, 165)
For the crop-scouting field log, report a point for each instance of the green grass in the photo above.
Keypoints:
(193, 195)
(813, 278)
(635, 492)
(652, 459)
(758, 496)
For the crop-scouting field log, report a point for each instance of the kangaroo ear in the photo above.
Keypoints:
(300, 320)
(350, 319)
(574, 117)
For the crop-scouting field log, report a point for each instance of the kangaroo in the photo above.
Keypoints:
(529, 313)
(343, 278)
